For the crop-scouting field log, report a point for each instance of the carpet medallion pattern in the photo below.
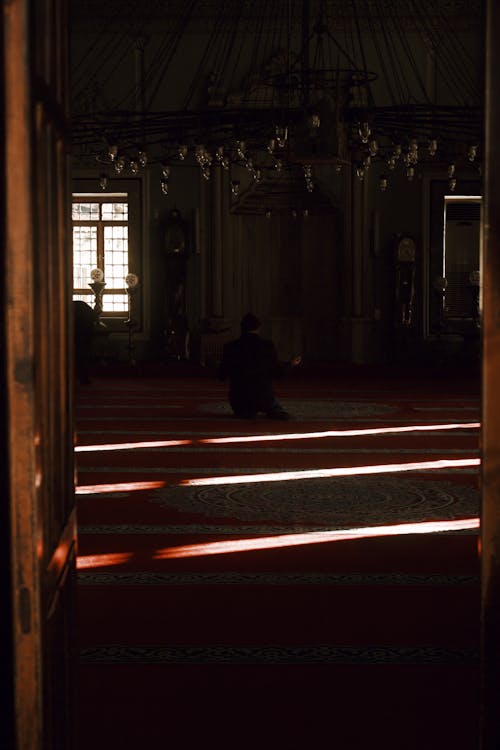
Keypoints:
(195, 631)
(196, 529)
(337, 501)
(314, 409)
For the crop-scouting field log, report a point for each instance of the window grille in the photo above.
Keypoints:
(101, 240)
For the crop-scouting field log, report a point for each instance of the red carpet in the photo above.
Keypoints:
(362, 642)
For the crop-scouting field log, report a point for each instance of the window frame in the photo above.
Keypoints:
(436, 188)
(86, 182)
(100, 224)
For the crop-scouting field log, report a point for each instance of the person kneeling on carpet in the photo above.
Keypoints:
(251, 363)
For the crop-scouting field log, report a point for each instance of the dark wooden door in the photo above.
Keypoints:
(39, 506)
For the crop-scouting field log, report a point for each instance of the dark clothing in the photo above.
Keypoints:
(84, 319)
(250, 363)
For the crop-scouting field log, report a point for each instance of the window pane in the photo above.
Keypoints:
(84, 254)
(115, 211)
(85, 212)
(103, 241)
(115, 302)
(461, 256)
(115, 276)
(115, 255)
(88, 298)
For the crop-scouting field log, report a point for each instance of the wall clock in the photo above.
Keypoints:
(406, 249)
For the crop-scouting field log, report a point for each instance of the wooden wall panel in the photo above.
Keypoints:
(490, 521)
(36, 323)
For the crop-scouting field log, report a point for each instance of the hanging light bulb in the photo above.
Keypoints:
(278, 165)
(200, 153)
(240, 149)
(182, 152)
(165, 170)
(397, 151)
(373, 146)
(433, 147)
(119, 165)
(219, 153)
(367, 160)
(225, 163)
(271, 145)
(235, 188)
(452, 183)
(103, 181)
(410, 173)
(364, 131)
(305, 213)
(338, 168)
(249, 164)
(472, 152)
(281, 135)
(391, 162)
(257, 175)
(268, 213)
(383, 182)
(308, 177)
(204, 159)
(142, 158)
(451, 171)
(113, 151)
(360, 172)
(164, 186)
(134, 166)
(413, 151)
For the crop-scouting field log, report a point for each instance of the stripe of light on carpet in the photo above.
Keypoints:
(283, 540)
(130, 446)
(284, 476)
(275, 437)
(314, 537)
(101, 561)
(343, 433)
(96, 489)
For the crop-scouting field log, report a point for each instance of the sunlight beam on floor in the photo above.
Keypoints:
(283, 476)
(102, 561)
(97, 448)
(313, 537)
(95, 489)
(130, 446)
(341, 433)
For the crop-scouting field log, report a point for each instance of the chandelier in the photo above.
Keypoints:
(275, 93)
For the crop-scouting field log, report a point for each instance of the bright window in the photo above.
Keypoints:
(461, 255)
(101, 240)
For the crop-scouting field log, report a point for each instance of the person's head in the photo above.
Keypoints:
(249, 323)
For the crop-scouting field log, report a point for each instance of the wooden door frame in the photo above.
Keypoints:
(38, 492)
(19, 371)
(490, 437)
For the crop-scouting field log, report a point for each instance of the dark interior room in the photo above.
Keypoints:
(250, 254)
